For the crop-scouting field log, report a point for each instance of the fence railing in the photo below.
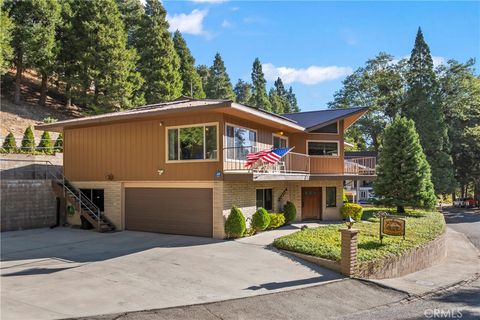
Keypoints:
(360, 166)
(235, 159)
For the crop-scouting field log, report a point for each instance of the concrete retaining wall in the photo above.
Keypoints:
(414, 260)
(27, 204)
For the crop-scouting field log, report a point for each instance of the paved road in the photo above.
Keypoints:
(466, 221)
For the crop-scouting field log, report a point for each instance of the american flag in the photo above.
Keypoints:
(270, 156)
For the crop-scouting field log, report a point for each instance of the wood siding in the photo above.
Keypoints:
(136, 150)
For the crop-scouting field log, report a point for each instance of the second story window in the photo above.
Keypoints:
(239, 142)
(197, 142)
(323, 148)
(279, 141)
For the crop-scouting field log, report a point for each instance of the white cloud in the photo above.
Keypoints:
(235, 8)
(209, 1)
(191, 23)
(310, 76)
(226, 24)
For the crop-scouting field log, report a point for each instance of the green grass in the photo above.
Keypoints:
(324, 242)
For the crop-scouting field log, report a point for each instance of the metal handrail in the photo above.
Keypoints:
(51, 170)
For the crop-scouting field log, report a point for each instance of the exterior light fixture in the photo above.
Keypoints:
(349, 222)
(160, 171)
(280, 133)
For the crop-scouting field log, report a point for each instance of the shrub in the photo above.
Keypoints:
(276, 220)
(28, 141)
(289, 211)
(352, 210)
(344, 197)
(235, 225)
(9, 145)
(260, 220)
(45, 144)
(58, 147)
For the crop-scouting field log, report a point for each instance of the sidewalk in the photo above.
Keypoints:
(461, 264)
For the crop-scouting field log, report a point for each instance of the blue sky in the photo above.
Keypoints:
(313, 45)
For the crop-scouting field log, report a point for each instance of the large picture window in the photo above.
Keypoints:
(239, 142)
(322, 148)
(193, 143)
(264, 199)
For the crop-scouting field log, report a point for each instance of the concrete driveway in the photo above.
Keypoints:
(63, 272)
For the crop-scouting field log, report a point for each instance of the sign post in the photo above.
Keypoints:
(391, 226)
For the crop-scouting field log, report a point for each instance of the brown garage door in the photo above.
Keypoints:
(169, 210)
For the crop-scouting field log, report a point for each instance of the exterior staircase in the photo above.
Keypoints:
(82, 204)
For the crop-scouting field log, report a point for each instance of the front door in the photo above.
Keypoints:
(311, 203)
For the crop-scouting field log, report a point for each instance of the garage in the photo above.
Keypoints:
(186, 211)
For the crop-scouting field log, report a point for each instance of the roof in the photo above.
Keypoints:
(299, 121)
(312, 120)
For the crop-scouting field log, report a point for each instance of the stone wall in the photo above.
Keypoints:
(411, 261)
(27, 204)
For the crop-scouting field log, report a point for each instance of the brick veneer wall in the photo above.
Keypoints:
(411, 261)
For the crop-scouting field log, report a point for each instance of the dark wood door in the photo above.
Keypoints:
(186, 211)
(311, 203)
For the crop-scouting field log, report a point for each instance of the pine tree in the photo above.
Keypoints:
(58, 147)
(9, 145)
(292, 101)
(192, 84)
(132, 12)
(45, 145)
(6, 50)
(33, 36)
(203, 72)
(218, 83)
(279, 97)
(403, 173)
(159, 64)
(243, 91)
(259, 97)
(28, 141)
(422, 104)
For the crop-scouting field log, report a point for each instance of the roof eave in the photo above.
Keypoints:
(323, 124)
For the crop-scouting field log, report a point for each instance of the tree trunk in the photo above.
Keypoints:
(68, 89)
(400, 209)
(18, 81)
(43, 90)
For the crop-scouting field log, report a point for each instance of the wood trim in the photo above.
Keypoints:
(328, 141)
(195, 125)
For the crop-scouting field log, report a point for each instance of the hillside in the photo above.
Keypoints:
(15, 118)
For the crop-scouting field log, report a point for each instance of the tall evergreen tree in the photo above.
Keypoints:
(192, 83)
(203, 72)
(243, 91)
(33, 36)
(107, 65)
(403, 173)
(6, 50)
(279, 98)
(132, 12)
(218, 83)
(259, 97)
(159, 64)
(422, 104)
(292, 101)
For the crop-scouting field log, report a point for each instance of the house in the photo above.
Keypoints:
(178, 167)
(360, 191)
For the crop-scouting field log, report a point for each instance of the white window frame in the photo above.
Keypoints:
(279, 136)
(194, 125)
(225, 146)
(328, 141)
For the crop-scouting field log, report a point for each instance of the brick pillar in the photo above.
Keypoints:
(348, 262)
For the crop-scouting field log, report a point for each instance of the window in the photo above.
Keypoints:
(279, 141)
(321, 148)
(240, 142)
(193, 143)
(96, 196)
(264, 199)
(331, 197)
(331, 128)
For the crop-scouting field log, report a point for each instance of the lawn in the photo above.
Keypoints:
(324, 242)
